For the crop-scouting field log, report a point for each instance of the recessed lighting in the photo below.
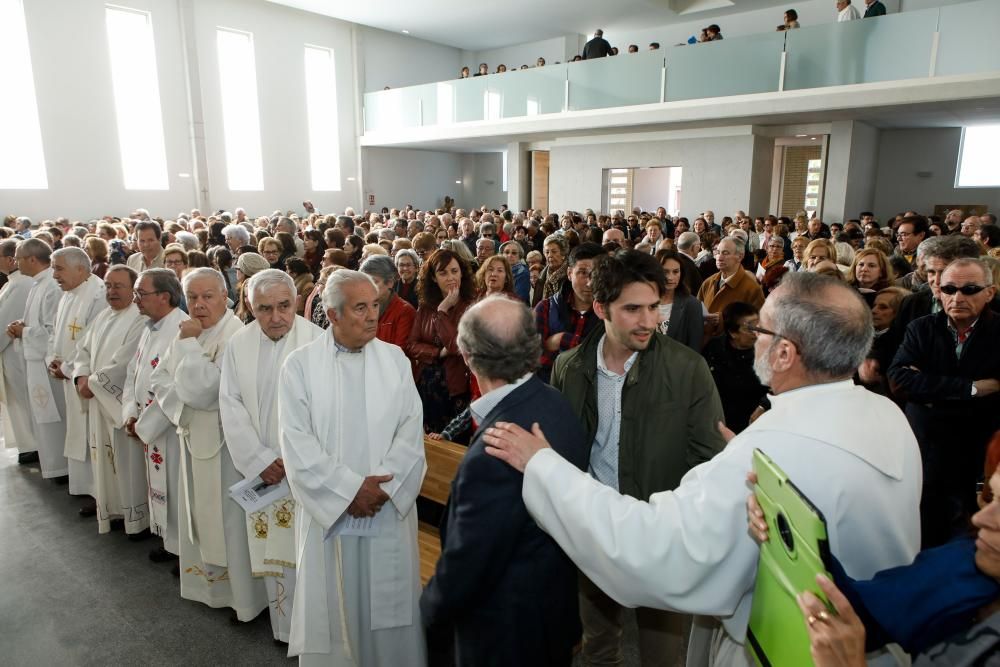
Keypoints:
(183, 175)
(350, 178)
(458, 182)
(812, 138)
(405, 32)
(799, 136)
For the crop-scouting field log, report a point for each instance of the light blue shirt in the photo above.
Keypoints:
(483, 406)
(604, 453)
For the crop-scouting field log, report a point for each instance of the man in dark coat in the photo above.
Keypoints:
(598, 47)
(503, 593)
(874, 8)
(948, 370)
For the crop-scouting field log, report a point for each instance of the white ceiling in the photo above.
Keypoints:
(477, 26)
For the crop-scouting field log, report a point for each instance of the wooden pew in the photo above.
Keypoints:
(443, 459)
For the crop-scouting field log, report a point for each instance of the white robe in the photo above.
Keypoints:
(343, 417)
(13, 298)
(45, 392)
(119, 462)
(77, 309)
(249, 411)
(215, 556)
(689, 549)
(162, 450)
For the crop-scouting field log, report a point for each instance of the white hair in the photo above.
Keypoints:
(204, 272)
(333, 293)
(188, 240)
(268, 279)
(75, 257)
(237, 231)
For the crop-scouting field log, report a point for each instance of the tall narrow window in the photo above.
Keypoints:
(977, 159)
(137, 99)
(321, 111)
(240, 120)
(22, 165)
(503, 170)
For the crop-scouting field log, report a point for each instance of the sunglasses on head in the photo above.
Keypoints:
(967, 290)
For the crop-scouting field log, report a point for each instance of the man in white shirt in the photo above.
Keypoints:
(147, 240)
(689, 549)
(14, 394)
(846, 11)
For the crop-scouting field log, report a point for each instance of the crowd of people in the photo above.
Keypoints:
(598, 47)
(611, 375)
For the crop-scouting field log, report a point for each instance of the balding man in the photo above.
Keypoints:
(948, 371)
(48, 403)
(732, 283)
(493, 555)
(248, 407)
(614, 235)
(214, 554)
(862, 473)
(970, 226)
(99, 374)
(82, 299)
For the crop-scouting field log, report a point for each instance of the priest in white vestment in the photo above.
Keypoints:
(157, 295)
(215, 557)
(689, 549)
(99, 369)
(45, 393)
(14, 389)
(352, 446)
(83, 298)
(249, 409)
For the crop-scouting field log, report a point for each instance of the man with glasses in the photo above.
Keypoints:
(688, 549)
(947, 369)
(909, 234)
(732, 283)
(157, 294)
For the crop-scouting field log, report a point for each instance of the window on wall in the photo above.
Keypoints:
(137, 99)
(22, 162)
(619, 189)
(240, 119)
(977, 158)
(321, 110)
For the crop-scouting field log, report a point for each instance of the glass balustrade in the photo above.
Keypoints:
(893, 47)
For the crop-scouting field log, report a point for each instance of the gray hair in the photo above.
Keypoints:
(75, 257)
(407, 252)
(381, 267)
(36, 248)
(737, 244)
(164, 280)
(978, 263)
(237, 231)
(832, 340)
(949, 248)
(556, 239)
(204, 272)
(24, 220)
(845, 253)
(8, 247)
(188, 240)
(500, 346)
(266, 280)
(333, 292)
(80, 231)
(72, 241)
(516, 246)
(687, 240)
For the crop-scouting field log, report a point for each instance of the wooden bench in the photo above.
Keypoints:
(443, 458)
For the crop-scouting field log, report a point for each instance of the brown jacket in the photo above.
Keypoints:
(741, 287)
(422, 349)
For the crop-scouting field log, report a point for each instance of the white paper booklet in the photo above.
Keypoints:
(255, 494)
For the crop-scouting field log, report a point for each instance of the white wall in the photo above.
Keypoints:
(396, 60)
(399, 176)
(903, 153)
(651, 188)
(482, 180)
(553, 50)
(717, 171)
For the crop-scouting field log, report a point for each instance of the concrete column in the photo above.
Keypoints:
(851, 166)
(518, 176)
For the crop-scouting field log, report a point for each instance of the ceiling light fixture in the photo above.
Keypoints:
(405, 32)
(799, 136)
(458, 182)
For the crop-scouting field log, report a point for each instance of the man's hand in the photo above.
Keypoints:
(130, 428)
(83, 387)
(370, 497)
(274, 473)
(868, 371)
(55, 370)
(986, 387)
(513, 445)
(14, 329)
(712, 319)
(190, 329)
(726, 432)
(758, 411)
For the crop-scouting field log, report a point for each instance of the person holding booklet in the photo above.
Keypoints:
(248, 407)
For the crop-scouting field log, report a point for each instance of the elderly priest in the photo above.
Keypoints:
(215, 558)
(352, 446)
(249, 411)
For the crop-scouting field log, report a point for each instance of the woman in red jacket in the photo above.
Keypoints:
(395, 318)
(446, 289)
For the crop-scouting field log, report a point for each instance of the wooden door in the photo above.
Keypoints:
(540, 180)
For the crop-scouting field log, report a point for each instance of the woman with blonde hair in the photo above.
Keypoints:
(495, 277)
(819, 250)
(870, 273)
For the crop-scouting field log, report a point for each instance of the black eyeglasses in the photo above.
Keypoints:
(759, 330)
(140, 294)
(967, 290)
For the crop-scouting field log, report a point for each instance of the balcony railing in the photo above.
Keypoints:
(957, 39)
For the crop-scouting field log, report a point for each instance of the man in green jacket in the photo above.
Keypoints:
(650, 410)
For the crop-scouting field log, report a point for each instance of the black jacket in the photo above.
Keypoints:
(503, 585)
(739, 387)
(598, 47)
